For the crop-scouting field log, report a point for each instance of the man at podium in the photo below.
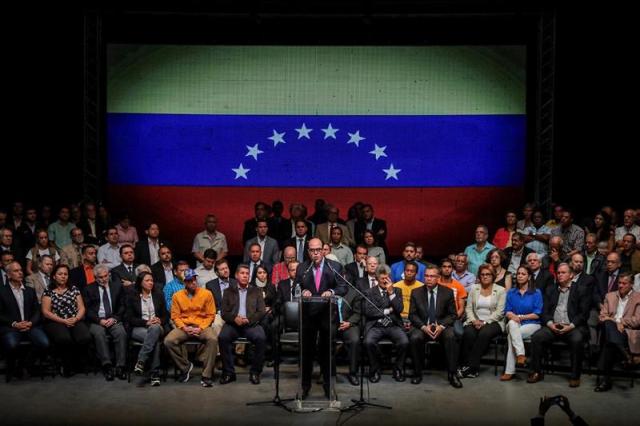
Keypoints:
(318, 277)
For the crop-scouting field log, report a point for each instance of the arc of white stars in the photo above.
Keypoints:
(277, 138)
(254, 151)
(391, 172)
(241, 172)
(379, 151)
(303, 132)
(330, 132)
(355, 138)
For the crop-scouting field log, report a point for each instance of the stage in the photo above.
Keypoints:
(485, 400)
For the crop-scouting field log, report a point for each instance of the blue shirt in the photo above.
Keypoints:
(397, 271)
(242, 307)
(477, 258)
(171, 288)
(529, 303)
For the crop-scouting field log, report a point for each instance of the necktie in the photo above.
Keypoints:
(612, 280)
(317, 277)
(431, 308)
(300, 250)
(106, 303)
(373, 283)
(130, 269)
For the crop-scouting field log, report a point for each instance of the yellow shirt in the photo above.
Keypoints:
(198, 310)
(406, 294)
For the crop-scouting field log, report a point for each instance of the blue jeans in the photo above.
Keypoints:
(11, 339)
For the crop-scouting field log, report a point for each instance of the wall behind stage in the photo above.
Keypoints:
(433, 137)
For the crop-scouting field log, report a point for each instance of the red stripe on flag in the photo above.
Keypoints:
(441, 219)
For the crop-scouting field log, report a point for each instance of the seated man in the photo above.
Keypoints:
(242, 309)
(192, 311)
(409, 255)
(620, 317)
(19, 316)
(125, 272)
(349, 330)
(565, 314)
(175, 285)
(383, 320)
(432, 314)
(406, 286)
(105, 307)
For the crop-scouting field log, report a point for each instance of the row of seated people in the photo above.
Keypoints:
(563, 315)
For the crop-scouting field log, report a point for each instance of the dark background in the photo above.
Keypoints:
(595, 131)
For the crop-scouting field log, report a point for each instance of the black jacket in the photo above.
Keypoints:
(578, 306)
(214, 287)
(142, 254)
(231, 305)
(92, 301)
(10, 312)
(372, 315)
(133, 312)
(445, 306)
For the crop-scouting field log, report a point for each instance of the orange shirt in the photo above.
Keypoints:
(198, 310)
(459, 291)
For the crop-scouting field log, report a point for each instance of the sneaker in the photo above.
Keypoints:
(139, 368)
(206, 382)
(185, 376)
(155, 379)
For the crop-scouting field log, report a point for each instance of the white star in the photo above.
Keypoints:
(355, 138)
(254, 151)
(277, 138)
(303, 132)
(391, 172)
(379, 151)
(240, 171)
(329, 132)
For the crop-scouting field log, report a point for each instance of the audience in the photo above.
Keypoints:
(477, 253)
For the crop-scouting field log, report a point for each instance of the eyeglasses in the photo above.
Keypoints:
(315, 250)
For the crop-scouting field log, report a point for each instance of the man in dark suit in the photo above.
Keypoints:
(369, 280)
(565, 315)
(595, 262)
(580, 278)
(300, 241)
(317, 278)
(242, 310)
(286, 288)
(349, 314)
(383, 320)
(607, 280)
(432, 313)
(105, 305)
(542, 278)
(26, 232)
(368, 221)
(254, 261)
(358, 268)
(78, 276)
(270, 251)
(6, 257)
(147, 249)
(19, 316)
(162, 270)
(218, 286)
(92, 228)
(8, 243)
(261, 211)
(516, 255)
(125, 273)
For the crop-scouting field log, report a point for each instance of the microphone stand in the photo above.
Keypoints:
(361, 403)
(276, 401)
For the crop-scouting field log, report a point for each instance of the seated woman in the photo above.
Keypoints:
(373, 249)
(146, 319)
(270, 295)
(63, 310)
(496, 258)
(523, 309)
(42, 247)
(485, 312)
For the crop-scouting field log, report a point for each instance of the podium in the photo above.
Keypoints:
(316, 404)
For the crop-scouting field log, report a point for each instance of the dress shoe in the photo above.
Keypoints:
(535, 377)
(574, 383)
(506, 377)
(227, 378)
(397, 375)
(454, 381)
(521, 361)
(604, 386)
(139, 368)
(254, 378)
(374, 377)
(107, 370)
(353, 379)
(121, 373)
(416, 380)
